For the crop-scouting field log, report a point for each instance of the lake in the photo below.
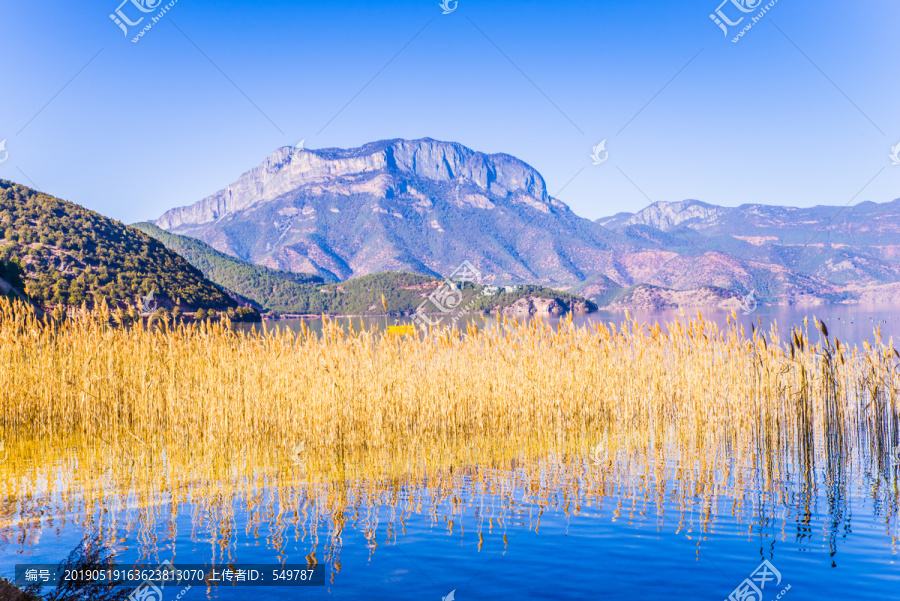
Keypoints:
(848, 323)
(805, 510)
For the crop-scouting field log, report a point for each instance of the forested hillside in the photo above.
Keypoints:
(285, 292)
(273, 289)
(57, 252)
(62, 253)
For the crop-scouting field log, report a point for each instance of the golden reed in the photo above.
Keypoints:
(305, 431)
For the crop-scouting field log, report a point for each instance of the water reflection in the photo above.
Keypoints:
(132, 492)
(849, 323)
(695, 434)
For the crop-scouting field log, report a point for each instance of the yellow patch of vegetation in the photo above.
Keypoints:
(401, 331)
(162, 414)
(351, 389)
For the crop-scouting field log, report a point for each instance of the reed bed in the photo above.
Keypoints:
(345, 390)
(305, 431)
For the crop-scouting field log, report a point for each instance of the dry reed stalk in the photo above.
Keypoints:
(695, 411)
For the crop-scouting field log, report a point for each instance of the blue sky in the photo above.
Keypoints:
(801, 111)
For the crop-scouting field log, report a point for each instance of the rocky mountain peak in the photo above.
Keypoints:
(667, 216)
(387, 168)
(426, 206)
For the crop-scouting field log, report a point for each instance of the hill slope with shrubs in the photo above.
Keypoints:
(60, 253)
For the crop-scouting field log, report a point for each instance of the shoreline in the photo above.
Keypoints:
(619, 310)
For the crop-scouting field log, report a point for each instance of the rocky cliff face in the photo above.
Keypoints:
(426, 206)
(417, 205)
(386, 169)
(544, 307)
(650, 298)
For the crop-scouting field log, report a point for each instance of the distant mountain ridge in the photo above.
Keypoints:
(425, 206)
(868, 223)
(854, 246)
(665, 216)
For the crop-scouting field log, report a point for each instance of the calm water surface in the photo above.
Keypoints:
(548, 525)
(849, 323)
(642, 541)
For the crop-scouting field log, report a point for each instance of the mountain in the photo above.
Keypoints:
(866, 221)
(284, 292)
(665, 216)
(403, 292)
(57, 252)
(846, 248)
(425, 206)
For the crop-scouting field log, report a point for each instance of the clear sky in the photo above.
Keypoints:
(802, 110)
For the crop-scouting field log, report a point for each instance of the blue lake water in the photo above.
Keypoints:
(849, 323)
(620, 547)
(557, 528)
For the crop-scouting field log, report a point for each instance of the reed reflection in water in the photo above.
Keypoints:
(305, 438)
